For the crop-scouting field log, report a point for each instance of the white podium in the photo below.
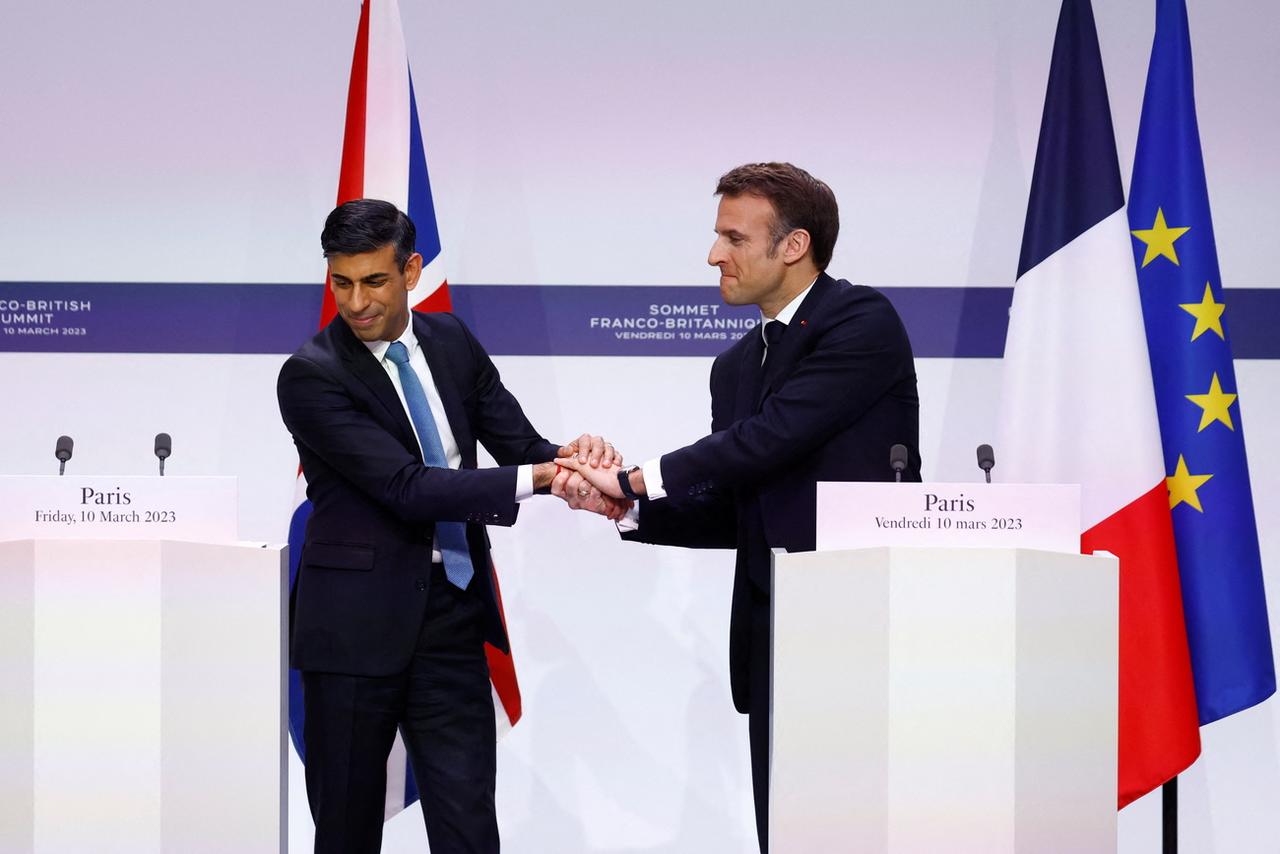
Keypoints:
(947, 698)
(144, 698)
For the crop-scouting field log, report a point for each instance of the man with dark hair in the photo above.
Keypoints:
(367, 225)
(820, 393)
(394, 597)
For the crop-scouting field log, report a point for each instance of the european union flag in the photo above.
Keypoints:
(1201, 428)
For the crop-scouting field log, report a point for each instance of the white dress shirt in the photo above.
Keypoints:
(418, 362)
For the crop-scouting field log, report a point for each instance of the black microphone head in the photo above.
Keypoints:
(898, 457)
(164, 445)
(62, 451)
(986, 458)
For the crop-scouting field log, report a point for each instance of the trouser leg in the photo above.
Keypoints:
(349, 727)
(449, 723)
(758, 726)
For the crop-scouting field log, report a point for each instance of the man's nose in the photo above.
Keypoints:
(359, 298)
(716, 256)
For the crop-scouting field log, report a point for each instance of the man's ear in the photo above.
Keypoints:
(795, 246)
(412, 270)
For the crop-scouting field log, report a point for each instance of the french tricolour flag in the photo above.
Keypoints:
(1078, 401)
(383, 158)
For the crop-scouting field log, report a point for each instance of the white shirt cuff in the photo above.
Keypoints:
(524, 482)
(631, 521)
(653, 479)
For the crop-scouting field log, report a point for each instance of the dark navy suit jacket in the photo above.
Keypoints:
(361, 591)
(837, 392)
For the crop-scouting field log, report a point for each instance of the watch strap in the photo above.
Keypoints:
(624, 483)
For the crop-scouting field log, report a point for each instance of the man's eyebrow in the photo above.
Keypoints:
(372, 277)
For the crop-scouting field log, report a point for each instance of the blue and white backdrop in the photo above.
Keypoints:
(165, 168)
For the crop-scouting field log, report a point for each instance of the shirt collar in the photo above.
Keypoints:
(789, 310)
(407, 338)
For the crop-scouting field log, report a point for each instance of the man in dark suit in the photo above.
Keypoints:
(821, 392)
(394, 596)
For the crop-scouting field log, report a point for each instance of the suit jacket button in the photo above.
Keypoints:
(420, 583)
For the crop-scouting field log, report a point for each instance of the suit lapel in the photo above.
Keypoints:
(366, 368)
(785, 353)
(444, 375)
(750, 372)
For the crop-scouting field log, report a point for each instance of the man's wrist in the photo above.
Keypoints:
(631, 482)
(543, 474)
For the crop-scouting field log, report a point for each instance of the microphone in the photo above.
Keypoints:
(63, 453)
(986, 460)
(898, 461)
(164, 447)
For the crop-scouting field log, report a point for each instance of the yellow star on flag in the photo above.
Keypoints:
(1159, 239)
(1208, 314)
(1216, 405)
(1183, 485)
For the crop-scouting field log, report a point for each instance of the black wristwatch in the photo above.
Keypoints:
(624, 483)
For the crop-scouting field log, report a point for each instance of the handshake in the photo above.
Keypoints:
(585, 475)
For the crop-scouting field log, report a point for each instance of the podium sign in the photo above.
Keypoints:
(118, 508)
(949, 515)
(944, 674)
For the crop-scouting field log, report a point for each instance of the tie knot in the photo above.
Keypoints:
(398, 353)
(773, 332)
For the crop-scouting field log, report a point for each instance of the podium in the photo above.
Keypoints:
(144, 701)
(958, 698)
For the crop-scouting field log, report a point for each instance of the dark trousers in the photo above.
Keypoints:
(749, 645)
(759, 714)
(442, 705)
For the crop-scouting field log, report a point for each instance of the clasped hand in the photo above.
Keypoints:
(585, 465)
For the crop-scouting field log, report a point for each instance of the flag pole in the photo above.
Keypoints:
(1169, 818)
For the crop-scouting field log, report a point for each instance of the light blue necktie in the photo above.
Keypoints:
(451, 537)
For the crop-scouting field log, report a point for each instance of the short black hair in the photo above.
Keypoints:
(367, 225)
(801, 201)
